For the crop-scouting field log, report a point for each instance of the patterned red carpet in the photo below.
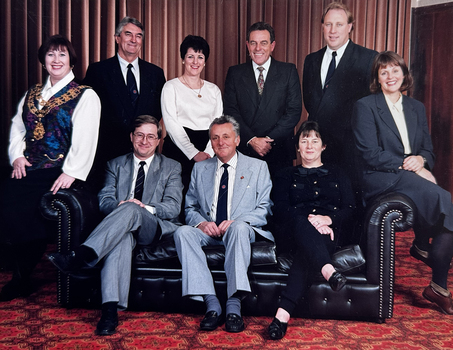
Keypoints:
(39, 323)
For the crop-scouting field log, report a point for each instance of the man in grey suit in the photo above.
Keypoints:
(334, 78)
(142, 199)
(227, 204)
(264, 96)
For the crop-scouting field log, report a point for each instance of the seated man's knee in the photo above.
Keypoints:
(183, 233)
(239, 228)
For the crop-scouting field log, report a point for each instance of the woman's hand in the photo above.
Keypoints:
(413, 163)
(426, 174)
(200, 156)
(19, 168)
(63, 181)
(322, 223)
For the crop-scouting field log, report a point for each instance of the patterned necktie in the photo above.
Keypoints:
(138, 192)
(222, 201)
(260, 81)
(331, 70)
(132, 85)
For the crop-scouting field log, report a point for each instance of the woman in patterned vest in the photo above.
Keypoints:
(52, 143)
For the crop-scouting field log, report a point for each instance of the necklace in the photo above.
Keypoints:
(35, 93)
(199, 91)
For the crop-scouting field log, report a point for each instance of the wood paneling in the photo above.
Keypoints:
(431, 55)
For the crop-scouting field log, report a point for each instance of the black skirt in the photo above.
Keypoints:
(20, 216)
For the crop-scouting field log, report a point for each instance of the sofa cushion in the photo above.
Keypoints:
(263, 254)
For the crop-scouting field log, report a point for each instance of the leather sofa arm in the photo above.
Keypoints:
(77, 212)
(386, 214)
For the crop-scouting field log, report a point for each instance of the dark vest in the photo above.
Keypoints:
(51, 150)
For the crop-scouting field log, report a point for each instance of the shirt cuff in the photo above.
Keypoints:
(151, 209)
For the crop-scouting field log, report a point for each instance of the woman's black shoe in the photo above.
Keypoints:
(277, 329)
(337, 281)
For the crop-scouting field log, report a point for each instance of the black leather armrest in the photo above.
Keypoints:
(77, 212)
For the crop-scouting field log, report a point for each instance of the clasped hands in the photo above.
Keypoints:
(211, 229)
(261, 145)
(416, 164)
(322, 223)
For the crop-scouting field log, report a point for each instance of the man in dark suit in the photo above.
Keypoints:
(329, 98)
(121, 100)
(227, 204)
(142, 199)
(264, 96)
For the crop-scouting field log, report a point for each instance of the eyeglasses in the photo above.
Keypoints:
(149, 137)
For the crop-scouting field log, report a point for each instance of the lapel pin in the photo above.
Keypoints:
(242, 177)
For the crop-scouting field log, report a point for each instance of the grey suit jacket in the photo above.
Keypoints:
(162, 188)
(275, 114)
(251, 195)
(379, 142)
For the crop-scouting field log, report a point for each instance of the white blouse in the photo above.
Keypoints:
(181, 107)
(85, 130)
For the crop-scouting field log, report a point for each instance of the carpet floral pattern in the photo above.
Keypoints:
(38, 322)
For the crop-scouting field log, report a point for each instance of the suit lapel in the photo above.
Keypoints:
(145, 85)
(411, 121)
(208, 181)
(126, 173)
(386, 115)
(241, 182)
(119, 86)
(152, 178)
(249, 84)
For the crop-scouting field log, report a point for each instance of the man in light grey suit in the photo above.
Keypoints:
(142, 199)
(227, 204)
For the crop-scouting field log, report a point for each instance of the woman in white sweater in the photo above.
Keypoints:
(189, 104)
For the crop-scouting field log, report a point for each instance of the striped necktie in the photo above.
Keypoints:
(138, 192)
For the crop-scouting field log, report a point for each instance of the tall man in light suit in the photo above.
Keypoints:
(121, 102)
(227, 203)
(142, 199)
(330, 103)
(264, 96)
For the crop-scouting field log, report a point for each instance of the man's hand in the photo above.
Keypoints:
(19, 168)
(132, 200)
(261, 145)
(224, 226)
(210, 228)
(413, 163)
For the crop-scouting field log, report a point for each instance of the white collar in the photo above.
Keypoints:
(265, 65)
(49, 90)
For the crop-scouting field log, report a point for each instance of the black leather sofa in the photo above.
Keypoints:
(156, 275)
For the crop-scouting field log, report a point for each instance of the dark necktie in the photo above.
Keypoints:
(260, 81)
(138, 192)
(132, 85)
(222, 201)
(331, 70)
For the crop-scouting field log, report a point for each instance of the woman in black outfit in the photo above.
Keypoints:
(314, 202)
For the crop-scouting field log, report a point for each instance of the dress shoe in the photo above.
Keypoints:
(422, 255)
(419, 254)
(108, 323)
(277, 329)
(234, 323)
(17, 287)
(211, 321)
(445, 303)
(337, 281)
(65, 262)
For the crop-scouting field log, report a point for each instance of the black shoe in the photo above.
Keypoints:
(337, 281)
(234, 323)
(211, 321)
(66, 263)
(108, 322)
(16, 288)
(277, 329)
(419, 254)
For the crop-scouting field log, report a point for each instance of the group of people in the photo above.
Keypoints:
(231, 157)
